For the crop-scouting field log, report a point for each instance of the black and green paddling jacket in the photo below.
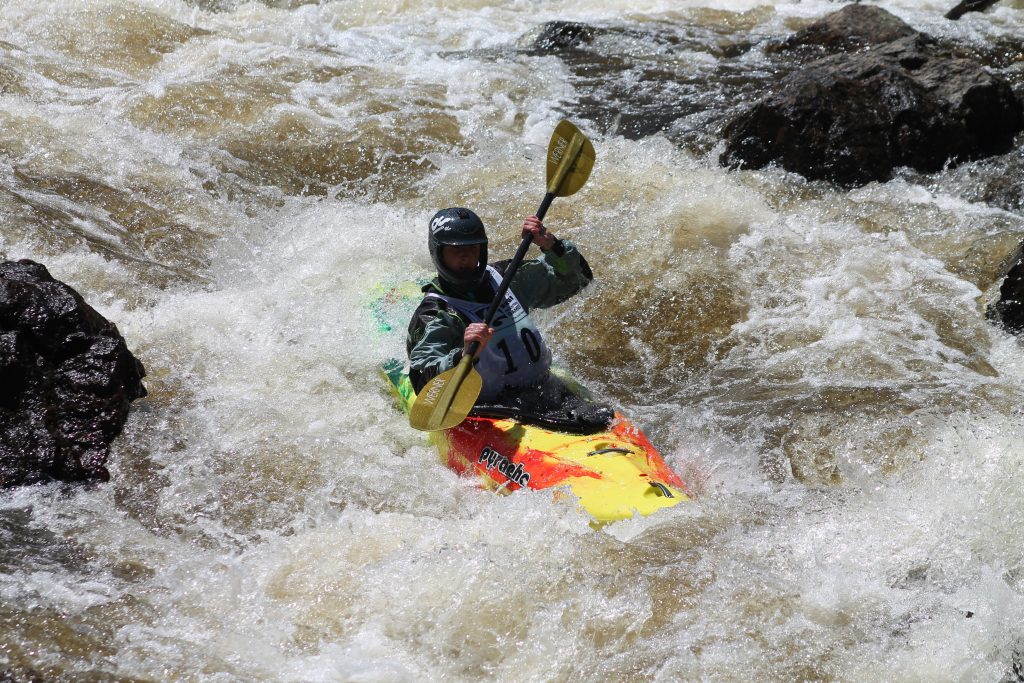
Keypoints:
(434, 341)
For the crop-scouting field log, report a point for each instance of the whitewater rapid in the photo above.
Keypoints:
(227, 182)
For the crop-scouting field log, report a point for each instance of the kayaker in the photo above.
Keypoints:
(513, 360)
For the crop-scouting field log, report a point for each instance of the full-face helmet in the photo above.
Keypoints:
(457, 227)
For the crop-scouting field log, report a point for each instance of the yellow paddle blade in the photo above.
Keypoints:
(446, 400)
(570, 158)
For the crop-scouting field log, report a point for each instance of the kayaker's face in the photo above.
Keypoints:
(462, 260)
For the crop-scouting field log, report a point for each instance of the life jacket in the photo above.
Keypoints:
(516, 355)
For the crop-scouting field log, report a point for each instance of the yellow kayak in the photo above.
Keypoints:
(614, 474)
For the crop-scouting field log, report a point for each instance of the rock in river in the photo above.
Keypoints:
(1008, 310)
(851, 28)
(852, 118)
(66, 380)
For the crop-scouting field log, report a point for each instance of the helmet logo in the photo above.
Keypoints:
(438, 223)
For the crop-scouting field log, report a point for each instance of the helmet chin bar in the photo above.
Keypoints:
(462, 278)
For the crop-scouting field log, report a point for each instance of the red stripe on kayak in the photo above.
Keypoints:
(469, 439)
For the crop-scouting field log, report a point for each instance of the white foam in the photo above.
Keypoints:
(272, 516)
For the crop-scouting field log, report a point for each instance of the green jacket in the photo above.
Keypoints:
(434, 341)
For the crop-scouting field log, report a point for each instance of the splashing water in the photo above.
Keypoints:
(226, 181)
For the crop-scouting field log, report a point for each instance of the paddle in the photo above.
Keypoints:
(446, 400)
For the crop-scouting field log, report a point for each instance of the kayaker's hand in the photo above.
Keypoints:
(476, 332)
(541, 237)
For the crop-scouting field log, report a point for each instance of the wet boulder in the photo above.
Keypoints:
(559, 36)
(966, 6)
(1008, 310)
(853, 118)
(66, 380)
(851, 28)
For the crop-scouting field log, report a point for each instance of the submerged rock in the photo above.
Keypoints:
(855, 117)
(558, 36)
(66, 380)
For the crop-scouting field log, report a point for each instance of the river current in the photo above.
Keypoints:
(227, 182)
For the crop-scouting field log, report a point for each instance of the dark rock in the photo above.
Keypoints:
(969, 6)
(851, 28)
(1008, 310)
(558, 36)
(854, 118)
(66, 380)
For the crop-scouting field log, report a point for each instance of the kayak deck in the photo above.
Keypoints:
(614, 474)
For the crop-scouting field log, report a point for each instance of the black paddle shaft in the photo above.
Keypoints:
(524, 246)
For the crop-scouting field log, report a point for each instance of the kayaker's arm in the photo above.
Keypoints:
(434, 343)
(558, 274)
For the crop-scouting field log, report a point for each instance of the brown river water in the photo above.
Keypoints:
(227, 181)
